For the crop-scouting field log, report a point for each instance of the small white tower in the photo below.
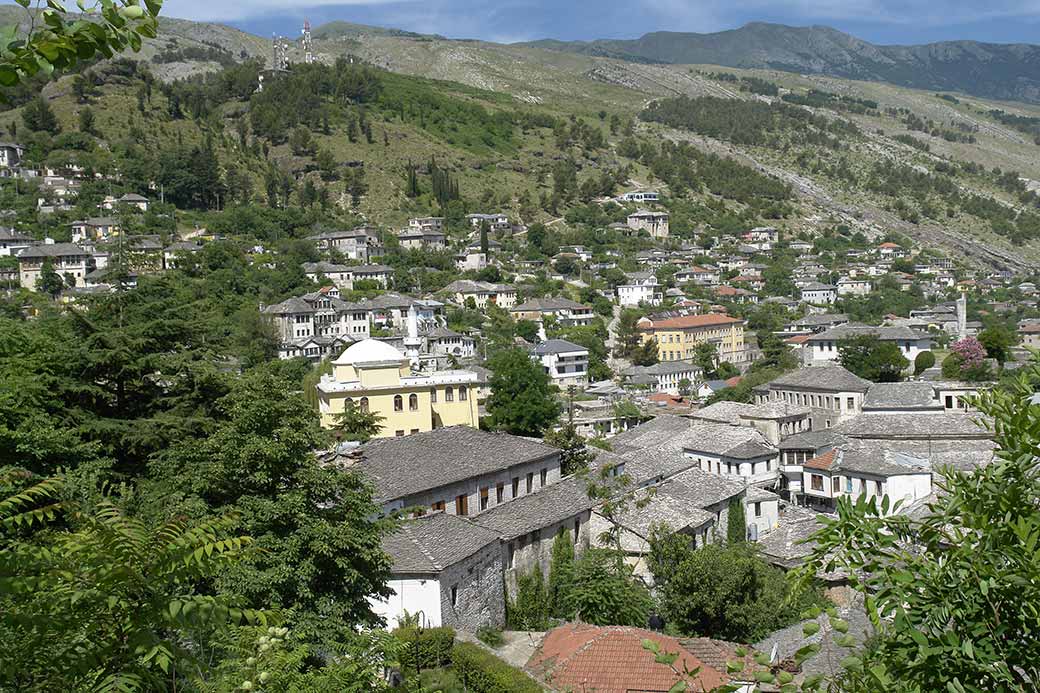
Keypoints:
(412, 342)
(962, 316)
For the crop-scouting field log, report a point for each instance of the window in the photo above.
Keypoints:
(836, 484)
(877, 488)
(484, 498)
(462, 505)
(399, 433)
(530, 481)
(516, 486)
(449, 394)
(413, 402)
(577, 529)
(439, 505)
(454, 595)
(758, 509)
(433, 395)
(463, 393)
(512, 554)
(414, 431)
(398, 403)
(544, 475)
(364, 405)
(500, 490)
(850, 403)
(817, 482)
(848, 484)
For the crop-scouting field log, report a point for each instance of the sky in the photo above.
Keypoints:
(878, 21)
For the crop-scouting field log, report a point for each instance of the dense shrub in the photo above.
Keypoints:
(428, 648)
(483, 672)
(923, 362)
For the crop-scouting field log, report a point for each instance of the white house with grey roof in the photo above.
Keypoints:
(819, 294)
(870, 470)
(345, 276)
(359, 244)
(12, 242)
(774, 420)
(317, 324)
(447, 571)
(825, 345)
(665, 376)
(72, 262)
(565, 362)
(733, 451)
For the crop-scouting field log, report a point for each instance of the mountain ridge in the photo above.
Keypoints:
(993, 70)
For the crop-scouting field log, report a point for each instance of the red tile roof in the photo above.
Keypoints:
(798, 339)
(734, 381)
(822, 462)
(692, 321)
(612, 659)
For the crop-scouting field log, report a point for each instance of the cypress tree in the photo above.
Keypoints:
(736, 526)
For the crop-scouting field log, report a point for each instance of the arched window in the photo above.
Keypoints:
(413, 402)
(449, 394)
(462, 393)
(398, 403)
(364, 405)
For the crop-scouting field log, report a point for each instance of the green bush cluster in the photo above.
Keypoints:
(427, 648)
(483, 672)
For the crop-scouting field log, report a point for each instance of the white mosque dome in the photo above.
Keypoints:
(369, 351)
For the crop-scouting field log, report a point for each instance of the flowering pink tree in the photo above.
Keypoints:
(967, 360)
(971, 351)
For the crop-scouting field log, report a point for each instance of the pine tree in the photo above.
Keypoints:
(39, 117)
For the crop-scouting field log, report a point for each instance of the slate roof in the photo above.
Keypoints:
(52, 250)
(547, 506)
(557, 346)
(812, 440)
(402, 466)
(548, 303)
(429, 544)
(782, 546)
(468, 286)
(736, 442)
(892, 334)
(913, 425)
(828, 660)
(740, 412)
(908, 395)
(671, 503)
(817, 286)
(706, 489)
(831, 377)
(9, 234)
(650, 433)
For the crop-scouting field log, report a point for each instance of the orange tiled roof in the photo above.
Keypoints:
(798, 339)
(822, 462)
(689, 321)
(611, 659)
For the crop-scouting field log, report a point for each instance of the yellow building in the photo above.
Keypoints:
(677, 338)
(378, 378)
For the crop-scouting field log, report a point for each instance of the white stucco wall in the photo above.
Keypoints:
(412, 595)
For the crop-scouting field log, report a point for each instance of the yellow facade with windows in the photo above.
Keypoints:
(677, 338)
(378, 378)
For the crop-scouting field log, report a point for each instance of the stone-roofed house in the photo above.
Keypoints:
(529, 525)
(174, 253)
(774, 420)
(819, 294)
(639, 287)
(316, 324)
(447, 570)
(566, 311)
(565, 362)
(818, 322)
(482, 293)
(12, 242)
(799, 449)
(732, 451)
(862, 469)
(831, 391)
(654, 223)
(825, 345)
(94, 229)
(447, 342)
(345, 276)
(665, 376)
(67, 259)
(459, 470)
(359, 244)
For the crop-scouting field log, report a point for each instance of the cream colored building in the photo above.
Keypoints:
(378, 378)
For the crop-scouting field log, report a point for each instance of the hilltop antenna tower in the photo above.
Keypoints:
(308, 52)
(280, 53)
